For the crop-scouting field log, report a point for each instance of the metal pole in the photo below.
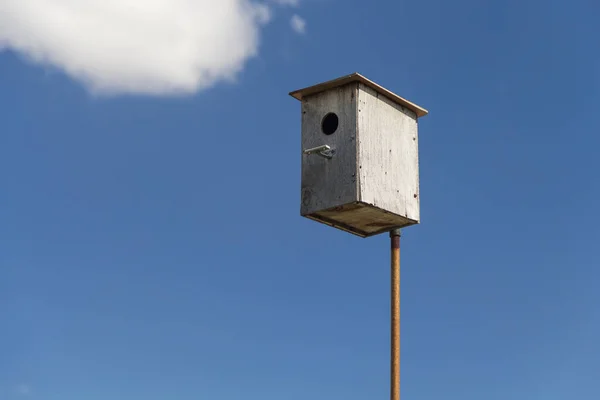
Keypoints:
(395, 314)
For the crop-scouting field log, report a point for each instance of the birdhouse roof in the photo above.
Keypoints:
(356, 77)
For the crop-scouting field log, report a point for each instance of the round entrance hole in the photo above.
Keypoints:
(330, 123)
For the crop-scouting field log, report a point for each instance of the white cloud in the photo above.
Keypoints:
(298, 24)
(152, 47)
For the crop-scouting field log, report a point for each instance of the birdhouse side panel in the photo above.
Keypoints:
(388, 155)
(329, 118)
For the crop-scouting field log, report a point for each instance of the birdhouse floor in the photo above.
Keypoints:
(361, 219)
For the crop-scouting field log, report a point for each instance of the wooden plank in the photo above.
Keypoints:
(327, 183)
(361, 219)
(387, 154)
(356, 77)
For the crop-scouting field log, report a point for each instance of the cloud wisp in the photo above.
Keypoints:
(298, 24)
(292, 3)
(23, 390)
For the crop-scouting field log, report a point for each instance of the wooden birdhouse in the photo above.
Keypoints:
(360, 161)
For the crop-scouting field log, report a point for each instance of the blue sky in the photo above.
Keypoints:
(151, 246)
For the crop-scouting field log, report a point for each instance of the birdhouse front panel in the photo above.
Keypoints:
(329, 173)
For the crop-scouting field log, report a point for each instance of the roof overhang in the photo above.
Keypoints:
(356, 77)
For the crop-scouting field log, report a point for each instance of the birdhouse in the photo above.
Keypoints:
(360, 159)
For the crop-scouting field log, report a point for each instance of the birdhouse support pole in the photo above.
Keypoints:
(395, 316)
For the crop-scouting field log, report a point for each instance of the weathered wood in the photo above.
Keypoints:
(361, 219)
(388, 155)
(329, 183)
(371, 183)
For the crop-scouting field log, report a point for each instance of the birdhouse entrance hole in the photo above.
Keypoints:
(330, 123)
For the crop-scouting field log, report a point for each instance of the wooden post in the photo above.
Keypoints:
(395, 316)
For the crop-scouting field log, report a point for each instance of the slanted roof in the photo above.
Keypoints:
(356, 77)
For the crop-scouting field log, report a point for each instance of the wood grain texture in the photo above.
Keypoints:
(329, 183)
(360, 219)
(388, 155)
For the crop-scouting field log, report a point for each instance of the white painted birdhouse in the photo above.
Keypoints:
(360, 159)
